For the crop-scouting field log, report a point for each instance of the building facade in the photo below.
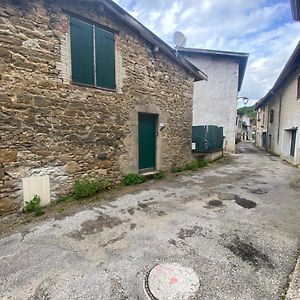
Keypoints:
(261, 130)
(278, 113)
(215, 101)
(86, 90)
(244, 128)
(295, 6)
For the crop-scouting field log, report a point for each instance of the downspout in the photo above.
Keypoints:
(279, 118)
(268, 117)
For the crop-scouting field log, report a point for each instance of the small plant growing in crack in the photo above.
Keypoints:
(34, 206)
(160, 175)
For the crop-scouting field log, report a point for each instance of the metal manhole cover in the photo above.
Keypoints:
(172, 282)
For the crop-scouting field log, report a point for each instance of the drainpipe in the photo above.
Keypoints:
(279, 118)
(268, 117)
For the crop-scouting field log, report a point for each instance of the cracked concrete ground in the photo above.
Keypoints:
(236, 225)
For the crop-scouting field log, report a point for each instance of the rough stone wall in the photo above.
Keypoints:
(215, 100)
(49, 126)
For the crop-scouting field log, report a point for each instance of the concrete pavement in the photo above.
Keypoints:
(236, 225)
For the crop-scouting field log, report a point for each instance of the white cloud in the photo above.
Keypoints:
(264, 28)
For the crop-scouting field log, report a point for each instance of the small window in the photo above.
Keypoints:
(298, 88)
(271, 116)
(93, 55)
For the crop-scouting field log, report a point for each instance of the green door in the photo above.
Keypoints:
(147, 141)
(293, 143)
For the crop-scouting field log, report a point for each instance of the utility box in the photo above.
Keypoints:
(207, 138)
(36, 185)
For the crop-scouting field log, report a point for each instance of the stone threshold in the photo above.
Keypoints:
(149, 173)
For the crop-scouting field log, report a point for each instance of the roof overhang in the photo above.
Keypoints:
(148, 35)
(291, 66)
(241, 57)
(295, 6)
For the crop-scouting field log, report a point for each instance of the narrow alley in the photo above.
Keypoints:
(235, 223)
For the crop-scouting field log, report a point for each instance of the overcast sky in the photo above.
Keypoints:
(263, 28)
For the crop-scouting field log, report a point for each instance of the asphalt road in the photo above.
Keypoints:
(237, 226)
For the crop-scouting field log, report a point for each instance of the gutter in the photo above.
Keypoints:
(290, 67)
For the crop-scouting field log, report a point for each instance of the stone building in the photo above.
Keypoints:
(215, 101)
(86, 90)
(262, 128)
(244, 127)
(278, 113)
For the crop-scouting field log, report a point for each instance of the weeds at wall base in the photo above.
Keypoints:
(133, 179)
(85, 188)
(191, 166)
(34, 206)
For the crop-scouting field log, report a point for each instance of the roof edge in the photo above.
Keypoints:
(287, 70)
(241, 56)
(215, 52)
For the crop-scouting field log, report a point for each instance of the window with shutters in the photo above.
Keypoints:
(271, 116)
(92, 55)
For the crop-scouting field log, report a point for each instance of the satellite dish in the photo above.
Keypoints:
(179, 39)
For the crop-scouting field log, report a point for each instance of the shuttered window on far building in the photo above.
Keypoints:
(271, 116)
(92, 55)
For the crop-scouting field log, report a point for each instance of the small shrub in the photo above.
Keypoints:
(34, 206)
(133, 178)
(202, 163)
(176, 169)
(67, 198)
(192, 165)
(86, 188)
(159, 175)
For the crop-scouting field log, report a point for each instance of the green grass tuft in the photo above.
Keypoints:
(34, 206)
(192, 165)
(202, 163)
(133, 178)
(177, 169)
(84, 188)
(160, 175)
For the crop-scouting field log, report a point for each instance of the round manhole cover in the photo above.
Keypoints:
(172, 282)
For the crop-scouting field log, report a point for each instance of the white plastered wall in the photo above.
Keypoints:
(290, 118)
(215, 100)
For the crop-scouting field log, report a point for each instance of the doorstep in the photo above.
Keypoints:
(149, 173)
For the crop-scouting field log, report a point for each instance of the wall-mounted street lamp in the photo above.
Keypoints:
(244, 99)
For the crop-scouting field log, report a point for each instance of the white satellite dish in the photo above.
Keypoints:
(179, 40)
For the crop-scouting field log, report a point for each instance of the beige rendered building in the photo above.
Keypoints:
(278, 113)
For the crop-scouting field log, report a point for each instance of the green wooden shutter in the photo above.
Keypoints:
(105, 59)
(82, 53)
